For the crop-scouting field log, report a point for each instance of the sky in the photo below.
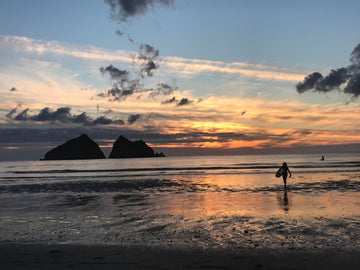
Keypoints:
(189, 77)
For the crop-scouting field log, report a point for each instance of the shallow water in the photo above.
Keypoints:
(207, 202)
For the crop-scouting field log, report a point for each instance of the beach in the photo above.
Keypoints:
(119, 257)
(181, 213)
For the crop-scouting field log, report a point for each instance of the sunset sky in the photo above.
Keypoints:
(186, 76)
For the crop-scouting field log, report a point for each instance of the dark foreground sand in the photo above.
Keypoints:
(35, 256)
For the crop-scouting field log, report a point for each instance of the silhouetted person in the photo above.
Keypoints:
(322, 158)
(285, 173)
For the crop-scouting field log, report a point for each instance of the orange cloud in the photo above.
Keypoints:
(11, 148)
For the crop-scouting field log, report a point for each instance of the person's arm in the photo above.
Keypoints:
(289, 172)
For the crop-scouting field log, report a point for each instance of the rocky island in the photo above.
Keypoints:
(124, 148)
(79, 148)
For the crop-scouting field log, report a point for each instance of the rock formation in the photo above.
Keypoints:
(79, 148)
(123, 148)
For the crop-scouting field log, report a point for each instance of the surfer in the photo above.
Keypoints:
(322, 158)
(285, 170)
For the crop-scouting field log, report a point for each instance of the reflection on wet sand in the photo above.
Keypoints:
(214, 204)
(283, 200)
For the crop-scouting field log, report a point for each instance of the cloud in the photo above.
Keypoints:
(119, 33)
(190, 67)
(181, 102)
(13, 111)
(119, 93)
(133, 118)
(13, 89)
(28, 45)
(349, 77)
(148, 55)
(122, 10)
(116, 74)
(162, 89)
(309, 82)
(179, 65)
(62, 115)
(125, 86)
(184, 101)
(355, 56)
(22, 116)
(169, 101)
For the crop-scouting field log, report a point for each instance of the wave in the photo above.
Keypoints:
(238, 167)
(172, 186)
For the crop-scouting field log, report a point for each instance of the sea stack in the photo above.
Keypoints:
(79, 148)
(124, 148)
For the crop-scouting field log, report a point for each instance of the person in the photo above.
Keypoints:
(322, 158)
(285, 173)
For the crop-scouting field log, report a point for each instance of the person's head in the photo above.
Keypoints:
(284, 164)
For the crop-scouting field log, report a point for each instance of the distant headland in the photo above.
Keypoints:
(83, 147)
(123, 148)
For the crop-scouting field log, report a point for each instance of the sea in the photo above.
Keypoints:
(204, 202)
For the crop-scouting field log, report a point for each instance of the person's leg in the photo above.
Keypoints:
(284, 178)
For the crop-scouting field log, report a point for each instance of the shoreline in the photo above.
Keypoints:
(62, 256)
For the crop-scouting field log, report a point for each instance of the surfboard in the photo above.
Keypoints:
(280, 172)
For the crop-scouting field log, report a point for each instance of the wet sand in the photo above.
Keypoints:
(268, 231)
(31, 256)
(207, 220)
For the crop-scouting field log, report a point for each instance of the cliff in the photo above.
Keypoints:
(123, 148)
(79, 148)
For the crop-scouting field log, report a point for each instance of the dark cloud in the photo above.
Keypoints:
(162, 89)
(169, 101)
(106, 121)
(348, 77)
(13, 111)
(184, 101)
(130, 39)
(119, 33)
(353, 86)
(355, 56)
(133, 118)
(125, 87)
(13, 89)
(22, 116)
(122, 10)
(309, 82)
(148, 55)
(121, 76)
(333, 80)
(117, 94)
(181, 102)
(63, 115)
(145, 61)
